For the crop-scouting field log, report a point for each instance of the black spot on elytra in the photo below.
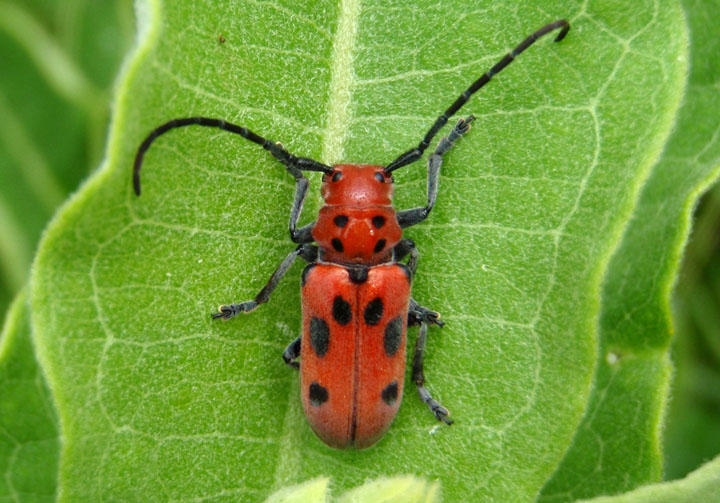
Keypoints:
(390, 393)
(380, 245)
(393, 336)
(378, 221)
(341, 310)
(306, 271)
(319, 336)
(337, 244)
(340, 220)
(318, 395)
(374, 311)
(358, 275)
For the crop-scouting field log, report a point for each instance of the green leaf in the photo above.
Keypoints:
(29, 441)
(314, 491)
(692, 432)
(533, 203)
(59, 59)
(700, 485)
(618, 445)
(393, 490)
(401, 489)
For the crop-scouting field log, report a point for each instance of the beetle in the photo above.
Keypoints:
(356, 302)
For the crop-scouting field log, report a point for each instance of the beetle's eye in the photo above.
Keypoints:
(379, 177)
(336, 176)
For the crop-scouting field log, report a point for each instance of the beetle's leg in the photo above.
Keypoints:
(418, 376)
(406, 218)
(414, 154)
(307, 252)
(404, 248)
(291, 353)
(418, 314)
(303, 234)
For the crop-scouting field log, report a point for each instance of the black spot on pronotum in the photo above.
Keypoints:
(358, 274)
(393, 336)
(378, 221)
(318, 395)
(380, 245)
(340, 220)
(374, 311)
(337, 244)
(319, 336)
(390, 393)
(341, 310)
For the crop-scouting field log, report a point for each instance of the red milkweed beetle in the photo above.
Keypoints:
(356, 303)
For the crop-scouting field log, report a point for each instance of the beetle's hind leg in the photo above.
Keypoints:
(418, 376)
(291, 353)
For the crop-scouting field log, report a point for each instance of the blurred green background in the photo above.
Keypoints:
(59, 63)
(692, 428)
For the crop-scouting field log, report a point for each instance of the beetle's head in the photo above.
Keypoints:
(357, 184)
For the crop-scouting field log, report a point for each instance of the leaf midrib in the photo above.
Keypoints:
(339, 115)
(342, 79)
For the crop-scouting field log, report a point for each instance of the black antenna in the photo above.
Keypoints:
(293, 164)
(414, 154)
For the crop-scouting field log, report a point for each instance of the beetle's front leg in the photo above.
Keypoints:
(406, 218)
(307, 252)
(303, 234)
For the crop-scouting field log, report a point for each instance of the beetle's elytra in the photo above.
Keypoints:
(356, 302)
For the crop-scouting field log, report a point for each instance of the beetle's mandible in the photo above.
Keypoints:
(356, 302)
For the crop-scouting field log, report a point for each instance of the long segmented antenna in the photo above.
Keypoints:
(293, 163)
(414, 154)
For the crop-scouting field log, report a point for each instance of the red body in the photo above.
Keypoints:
(355, 309)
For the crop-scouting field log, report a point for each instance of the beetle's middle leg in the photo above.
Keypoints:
(418, 314)
(292, 352)
(307, 252)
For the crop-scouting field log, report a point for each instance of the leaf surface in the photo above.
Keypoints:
(29, 437)
(618, 444)
(59, 59)
(700, 485)
(533, 202)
